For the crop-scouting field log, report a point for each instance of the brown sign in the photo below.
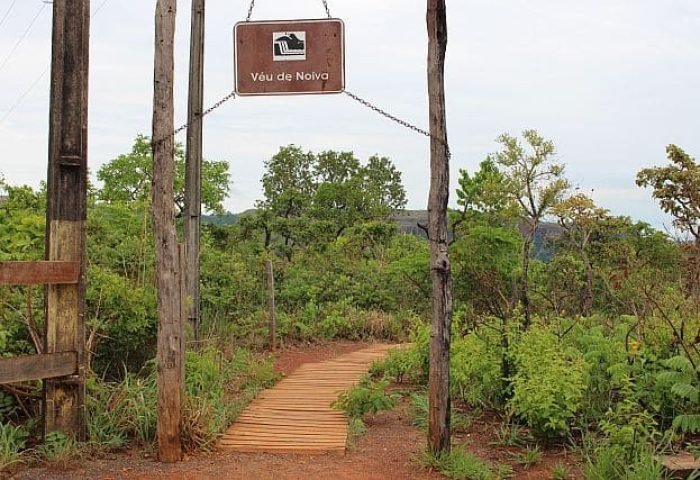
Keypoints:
(289, 57)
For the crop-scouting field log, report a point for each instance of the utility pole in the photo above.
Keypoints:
(193, 171)
(439, 371)
(169, 356)
(64, 398)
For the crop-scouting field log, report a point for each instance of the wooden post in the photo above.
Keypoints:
(64, 407)
(270, 276)
(170, 331)
(439, 372)
(193, 171)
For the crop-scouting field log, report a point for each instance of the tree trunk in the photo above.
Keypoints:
(439, 374)
(587, 304)
(524, 280)
(270, 277)
(169, 354)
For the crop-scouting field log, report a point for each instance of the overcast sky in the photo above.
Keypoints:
(612, 82)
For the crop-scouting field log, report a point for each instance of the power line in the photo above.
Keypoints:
(24, 95)
(22, 37)
(7, 13)
(41, 76)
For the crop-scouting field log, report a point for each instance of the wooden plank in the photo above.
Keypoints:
(295, 416)
(37, 367)
(39, 273)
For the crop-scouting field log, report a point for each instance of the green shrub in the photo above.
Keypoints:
(475, 368)
(682, 380)
(13, 440)
(367, 397)
(549, 384)
(611, 463)
(58, 449)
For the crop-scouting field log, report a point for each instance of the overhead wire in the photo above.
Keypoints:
(23, 36)
(40, 77)
(7, 12)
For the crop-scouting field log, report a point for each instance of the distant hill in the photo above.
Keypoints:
(408, 221)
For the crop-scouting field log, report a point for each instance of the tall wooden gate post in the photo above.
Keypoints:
(193, 171)
(169, 356)
(66, 210)
(439, 374)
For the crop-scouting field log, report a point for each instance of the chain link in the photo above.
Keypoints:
(395, 119)
(328, 10)
(250, 10)
(252, 6)
(206, 112)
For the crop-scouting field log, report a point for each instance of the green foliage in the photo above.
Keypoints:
(13, 440)
(683, 380)
(549, 384)
(531, 456)
(400, 364)
(367, 397)
(611, 463)
(460, 465)
(58, 449)
(560, 472)
(128, 178)
(510, 434)
(475, 368)
(217, 388)
(675, 187)
(419, 410)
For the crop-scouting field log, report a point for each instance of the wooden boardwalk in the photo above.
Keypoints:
(295, 415)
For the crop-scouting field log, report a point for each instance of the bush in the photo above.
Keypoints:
(549, 384)
(367, 397)
(475, 368)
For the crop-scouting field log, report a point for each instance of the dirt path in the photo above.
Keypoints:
(386, 451)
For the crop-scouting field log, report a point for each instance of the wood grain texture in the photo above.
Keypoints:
(36, 367)
(440, 270)
(169, 355)
(295, 416)
(39, 273)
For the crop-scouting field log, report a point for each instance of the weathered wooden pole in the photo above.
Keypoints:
(439, 372)
(64, 408)
(193, 171)
(270, 277)
(170, 329)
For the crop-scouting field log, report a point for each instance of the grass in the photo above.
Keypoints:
(560, 472)
(531, 456)
(461, 465)
(12, 442)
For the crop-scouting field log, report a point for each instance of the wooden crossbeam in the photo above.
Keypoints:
(37, 367)
(38, 273)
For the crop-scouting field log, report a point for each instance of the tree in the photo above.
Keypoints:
(580, 217)
(677, 188)
(536, 184)
(313, 198)
(128, 178)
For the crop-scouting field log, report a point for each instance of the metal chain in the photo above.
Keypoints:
(250, 10)
(403, 123)
(328, 11)
(206, 112)
(252, 6)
